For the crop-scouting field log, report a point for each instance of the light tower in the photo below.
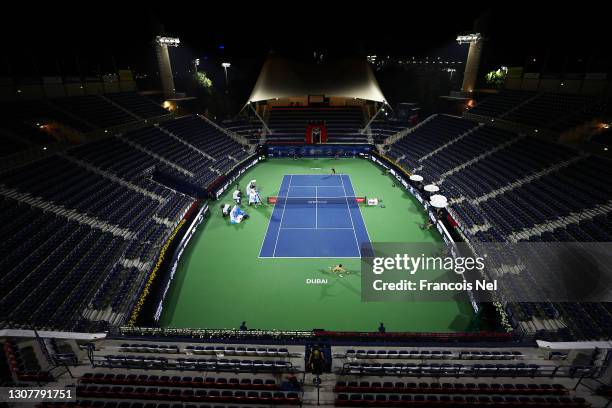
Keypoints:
(473, 60)
(163, 59)
(225, 66)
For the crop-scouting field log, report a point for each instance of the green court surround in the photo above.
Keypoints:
(221, 281)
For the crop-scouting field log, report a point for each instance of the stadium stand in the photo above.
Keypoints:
(91, 219)
(248, 128)
(157, 373)
(499, 104)
(382, 129)
(511, 187)
(545, 110)
(343, 124)
(136, 104)
(96, 110)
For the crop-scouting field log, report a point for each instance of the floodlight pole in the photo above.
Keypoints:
(367, 126)
(259, 117)
(470, 74)
(225, 66)
(163, 60)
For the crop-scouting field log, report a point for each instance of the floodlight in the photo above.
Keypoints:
(168, 41)
(469, 38)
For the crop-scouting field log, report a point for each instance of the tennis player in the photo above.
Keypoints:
(333, 171)
(339, 269)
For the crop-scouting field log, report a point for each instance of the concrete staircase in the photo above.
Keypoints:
(157, 156)
(238, 138)
(69, 213)
(534, 176)
(478, 158)
(563, 221)
(404, 132)
(451, 142)
(114, 178)
(189, 145)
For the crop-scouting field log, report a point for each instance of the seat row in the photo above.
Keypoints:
(149, 348)
(449, 388)
(178, 381)
(187, 395)
(519, 369)
(435, 354)
(239, 351)
(420, 400)
(80, 403)
(193, 364)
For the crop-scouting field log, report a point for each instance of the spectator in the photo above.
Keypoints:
(316, 361)
(237, 195)
(225, 210)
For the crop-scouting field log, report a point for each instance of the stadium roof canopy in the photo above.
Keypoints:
(284, 78)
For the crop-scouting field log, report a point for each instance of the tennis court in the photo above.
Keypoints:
(222, 280)
(316, 216)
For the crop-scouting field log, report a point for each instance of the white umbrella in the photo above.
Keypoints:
(416, 177)
(438, 197)
(432, 188)
(439, 204)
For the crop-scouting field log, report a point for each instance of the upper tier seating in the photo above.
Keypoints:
(209, 139)
(247, 128)
(137, 104)
(82, 228)
(427, 137)
(94, 109)
(343, 124)
(506, 186)
(381, 129)
(548, 108)
(498, 104)
(40, 112)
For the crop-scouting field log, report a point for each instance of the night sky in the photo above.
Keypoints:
(60, 33)
(74, 42)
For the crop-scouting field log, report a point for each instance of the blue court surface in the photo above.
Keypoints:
(316, 216)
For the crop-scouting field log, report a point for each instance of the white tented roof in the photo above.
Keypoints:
(284, 78)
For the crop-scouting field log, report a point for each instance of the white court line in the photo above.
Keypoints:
(316, 207)
(351, 216)
(309, 257)
(360, 213)
(263, 241)
(281, 220)
(323, 228)
(318, 186)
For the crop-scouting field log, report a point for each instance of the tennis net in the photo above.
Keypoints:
(315, 200)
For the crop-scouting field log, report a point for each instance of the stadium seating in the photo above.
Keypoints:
(426, 138)
(95, 110)
(382, 129)
(343, 124)
(247, 128)
(24, 363)
(508, 187)
(137, 104)
(81, 215)
(42, 112)
(209, 139)
(546, 110)
(497, 105)
(423, 400)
